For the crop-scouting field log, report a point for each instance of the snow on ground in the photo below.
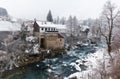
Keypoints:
(3, 55)
(33, 50)
(93, 63)
(76, 66)
(31, 39)
(92, 59)
(36, 49)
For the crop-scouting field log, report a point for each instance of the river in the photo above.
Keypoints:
(57, 67)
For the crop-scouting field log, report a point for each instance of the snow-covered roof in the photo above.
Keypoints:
(51, 25)
(8, 26)
(83, 28)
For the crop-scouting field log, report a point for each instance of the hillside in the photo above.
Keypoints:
(3, 12)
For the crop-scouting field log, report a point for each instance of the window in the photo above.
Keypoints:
(54, 29)
(48, 29)
(42, 28)
(45, 29)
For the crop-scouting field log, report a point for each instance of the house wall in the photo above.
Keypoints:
(48, 29)
(60, 42)
(52, 41)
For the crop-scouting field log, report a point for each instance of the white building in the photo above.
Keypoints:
(51, 27)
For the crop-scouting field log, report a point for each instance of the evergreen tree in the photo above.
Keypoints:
(49, 17)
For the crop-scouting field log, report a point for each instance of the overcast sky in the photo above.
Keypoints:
(31, 9)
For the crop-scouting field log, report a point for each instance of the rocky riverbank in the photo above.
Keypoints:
(28, 59)
(61, 66)
(32, 58)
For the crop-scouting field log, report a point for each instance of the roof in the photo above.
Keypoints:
(8, 26)
(36, 24)
(50, 24)
(84, 28)
(60, 36)
(36, 27)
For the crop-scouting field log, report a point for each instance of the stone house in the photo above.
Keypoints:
(83, 33)
(48, 34)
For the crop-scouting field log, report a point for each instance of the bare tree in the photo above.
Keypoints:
(70, 25)
(75, 25)
(109, 17)
(95, 28)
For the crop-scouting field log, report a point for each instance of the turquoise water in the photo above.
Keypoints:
(54, 67)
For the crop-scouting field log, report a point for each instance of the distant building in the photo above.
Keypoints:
(48, 34)
(8, 28)
(84, 30)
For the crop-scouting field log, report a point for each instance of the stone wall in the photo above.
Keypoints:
(50, 40)
(53, 42)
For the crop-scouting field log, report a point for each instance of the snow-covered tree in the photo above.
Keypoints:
(75, 25)
(95, 28)
(109, 17)
(70, 25)
(57, 20)
(23, 32)
(63, 20)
